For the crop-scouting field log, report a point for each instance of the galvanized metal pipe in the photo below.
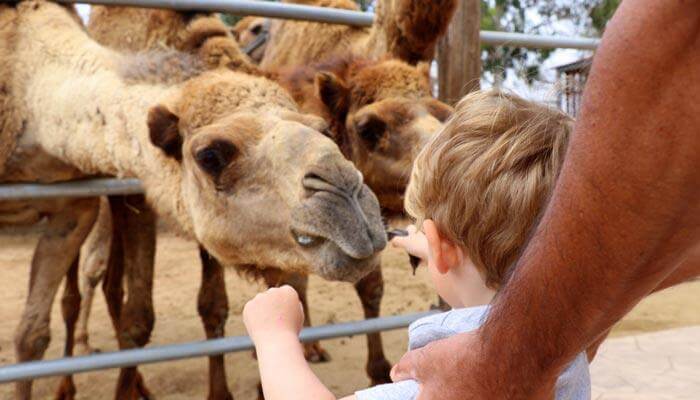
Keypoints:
(493, 38)
(83, 188)
(337, 16)
(243, 7)
(128, 358)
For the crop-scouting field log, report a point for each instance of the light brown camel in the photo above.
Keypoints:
(210, 41)
(215, 154)
(404, 29)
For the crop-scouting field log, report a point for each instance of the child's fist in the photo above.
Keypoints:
(276, 311)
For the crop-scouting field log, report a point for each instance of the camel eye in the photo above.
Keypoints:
(215, 157)
(371, 129)
(256, 30)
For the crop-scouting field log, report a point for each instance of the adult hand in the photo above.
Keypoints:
(456, 368)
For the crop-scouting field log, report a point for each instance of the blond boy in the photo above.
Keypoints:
(476, 190)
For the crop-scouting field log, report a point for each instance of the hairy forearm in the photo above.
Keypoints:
(625, 210)
(285, 374)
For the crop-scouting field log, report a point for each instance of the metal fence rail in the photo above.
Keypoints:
(337, 16)
(82, 188)
(128, 358)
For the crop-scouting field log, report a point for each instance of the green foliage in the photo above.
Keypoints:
(230, 19)
(601, 13)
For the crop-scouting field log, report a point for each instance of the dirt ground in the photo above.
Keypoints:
(176, 284)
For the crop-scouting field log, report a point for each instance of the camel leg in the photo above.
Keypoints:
(112, 287)
(134, 227)
(371, 290)
(93, 265)
(70, 307)
(313, 351)
(56, 251)
(212, 305)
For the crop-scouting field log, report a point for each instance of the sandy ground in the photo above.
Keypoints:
(176, 284)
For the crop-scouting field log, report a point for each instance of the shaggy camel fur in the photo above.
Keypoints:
(403, 29)
(215, 154)
(139, 29)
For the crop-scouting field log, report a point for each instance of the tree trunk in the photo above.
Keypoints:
(459, 53)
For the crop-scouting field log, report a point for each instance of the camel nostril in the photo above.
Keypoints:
(314, 183)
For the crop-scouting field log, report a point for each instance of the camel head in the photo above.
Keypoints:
(261, 184)
(251, 33)
(381, 113)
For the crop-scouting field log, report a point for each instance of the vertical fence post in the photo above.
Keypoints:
(459, 53)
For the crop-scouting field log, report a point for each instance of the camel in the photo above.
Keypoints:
(403, 29)
(215, 154)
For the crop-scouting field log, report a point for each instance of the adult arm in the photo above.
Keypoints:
(688, 269)
(623, 216)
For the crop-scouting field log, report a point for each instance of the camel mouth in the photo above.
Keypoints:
(337, 224)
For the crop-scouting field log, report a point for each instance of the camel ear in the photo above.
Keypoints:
(333, 93)
(164, 132)
(201, 29)
(438, 109)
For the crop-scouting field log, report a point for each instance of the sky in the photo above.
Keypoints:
(542, 90)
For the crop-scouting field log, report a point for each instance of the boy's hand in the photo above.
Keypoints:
(273, 313)
(415, 243)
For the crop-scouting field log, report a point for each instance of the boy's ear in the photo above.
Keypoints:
(164, 132)
(443, 253)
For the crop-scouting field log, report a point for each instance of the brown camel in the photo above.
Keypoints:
(214, 153)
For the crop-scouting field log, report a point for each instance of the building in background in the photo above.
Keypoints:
(571, 81)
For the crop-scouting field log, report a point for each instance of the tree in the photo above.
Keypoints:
(601, 14)
(583, 17)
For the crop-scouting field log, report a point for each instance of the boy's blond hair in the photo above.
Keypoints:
(486, 176)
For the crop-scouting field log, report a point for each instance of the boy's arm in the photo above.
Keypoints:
(273, 320)
(623, 215)
(284, 372)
